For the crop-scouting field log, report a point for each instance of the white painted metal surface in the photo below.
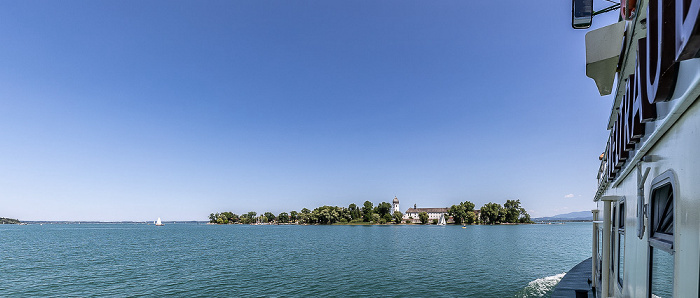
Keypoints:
(602, 54)
(671, 143)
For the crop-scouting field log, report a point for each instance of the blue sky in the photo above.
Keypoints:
(132, 110)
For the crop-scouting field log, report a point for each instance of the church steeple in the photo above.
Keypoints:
(395, 205)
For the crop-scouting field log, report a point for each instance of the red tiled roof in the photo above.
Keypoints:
(428, 210)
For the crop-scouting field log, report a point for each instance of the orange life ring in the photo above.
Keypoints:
(628, 9)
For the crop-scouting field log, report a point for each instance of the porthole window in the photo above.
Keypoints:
(661, 236)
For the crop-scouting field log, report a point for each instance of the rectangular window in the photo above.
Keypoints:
(661, 236)
(661, 281)
(613, 229)
(621, 243)
(600, 252)
(600, 242)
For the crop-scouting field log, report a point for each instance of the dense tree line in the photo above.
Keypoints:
(9, 221)
(490, 213)
(462, 213)
(367, 213)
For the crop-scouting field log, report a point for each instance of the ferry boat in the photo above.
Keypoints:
(646, 236)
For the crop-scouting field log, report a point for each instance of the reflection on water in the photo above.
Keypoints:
(661, 273)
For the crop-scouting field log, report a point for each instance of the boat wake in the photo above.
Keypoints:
(541, 287)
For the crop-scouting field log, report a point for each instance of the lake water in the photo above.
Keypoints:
(278, 261)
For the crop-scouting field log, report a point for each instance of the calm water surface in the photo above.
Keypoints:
(277, 261)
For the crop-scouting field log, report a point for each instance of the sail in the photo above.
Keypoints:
(158, 223)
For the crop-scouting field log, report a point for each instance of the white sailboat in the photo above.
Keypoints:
(158, 223)
(442, 222)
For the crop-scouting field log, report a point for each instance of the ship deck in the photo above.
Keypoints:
(575, 282)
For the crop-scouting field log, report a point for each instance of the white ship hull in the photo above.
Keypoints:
(646, 240)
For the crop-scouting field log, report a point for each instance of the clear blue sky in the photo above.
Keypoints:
(132, 110)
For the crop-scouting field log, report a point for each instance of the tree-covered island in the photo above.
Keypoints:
(9, 221)
(463, 213)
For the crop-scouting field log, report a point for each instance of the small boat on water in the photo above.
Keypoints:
(158, 223)
(442, 221)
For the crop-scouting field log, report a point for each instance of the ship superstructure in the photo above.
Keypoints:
(646, 239)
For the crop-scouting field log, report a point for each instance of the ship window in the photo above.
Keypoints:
(662, 218)
(661, 273)
(600, 243)
(621, 242)
(600, 251)
(661, 237)
(613, 229)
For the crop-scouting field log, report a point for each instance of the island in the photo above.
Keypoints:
(384, 213)
(9, 221)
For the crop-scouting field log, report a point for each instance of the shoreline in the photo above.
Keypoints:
(284, 224)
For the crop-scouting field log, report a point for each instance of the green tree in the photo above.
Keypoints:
(367, 211)
(355, 212)
(423, 216)
(383, 209)
(326, 215)
(270, 217)
(229, 217)
(244, 219)
(460, 212)
(304, 218)
(223, 218)
(9, 221)
(469, 206)
(524, 217)
(387, 218)
(491, 213)
(293, 216)
(249, 217)
(344, 214)
(512, 211)
(398, 216)
(501, 215)
(313, 218)
(471, 217)
(283, 217)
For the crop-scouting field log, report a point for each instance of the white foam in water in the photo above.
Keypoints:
(540, 287)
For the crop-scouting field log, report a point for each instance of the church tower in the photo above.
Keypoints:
(395, 205)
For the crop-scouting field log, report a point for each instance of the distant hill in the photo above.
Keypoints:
(5, 221)
(573, 216)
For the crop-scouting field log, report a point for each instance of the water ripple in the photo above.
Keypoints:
(281, 261)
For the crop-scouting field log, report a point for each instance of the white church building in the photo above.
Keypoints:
(412, 213)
